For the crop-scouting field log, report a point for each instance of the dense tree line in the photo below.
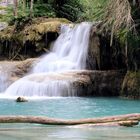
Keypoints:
(51, 8)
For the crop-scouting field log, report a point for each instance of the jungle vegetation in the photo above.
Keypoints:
(119, 18)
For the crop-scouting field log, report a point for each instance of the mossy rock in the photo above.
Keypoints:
(131, 85)
(7, 33)
(29, 37)
(32, 31)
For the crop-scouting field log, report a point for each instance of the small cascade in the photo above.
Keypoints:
(69, 51)
(3, 82)
(43, 84)
(4, 78)
(48, 77)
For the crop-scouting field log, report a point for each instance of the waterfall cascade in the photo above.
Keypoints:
(48, 77)
(3, 82)
(69, 51)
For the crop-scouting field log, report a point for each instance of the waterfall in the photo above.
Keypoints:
(69, 51)
(48, 77)
(3, 82)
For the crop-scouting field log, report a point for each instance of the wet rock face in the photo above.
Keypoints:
(131, 85)
(102, 56)
(99, 83)
(83, 83)
(93, 58)
(22, 67)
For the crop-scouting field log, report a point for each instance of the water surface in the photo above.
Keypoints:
(68, 108)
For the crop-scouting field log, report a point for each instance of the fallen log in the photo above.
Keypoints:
(52, 121)
(119, 123)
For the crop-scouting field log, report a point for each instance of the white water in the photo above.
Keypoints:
(3, 82)
(68, 53)
(4, 79)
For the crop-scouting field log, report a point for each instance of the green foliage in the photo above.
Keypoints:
(43, 9)
(7, 13)
(70, 9)
(94, 9)
(121, 19)
(9, 17)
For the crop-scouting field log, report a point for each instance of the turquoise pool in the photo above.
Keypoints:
(68, 108)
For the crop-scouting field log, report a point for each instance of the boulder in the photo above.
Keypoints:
(21, 99)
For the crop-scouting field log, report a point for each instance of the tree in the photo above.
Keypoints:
(120, 19)
(31, 8)
(15, 8)
(23, 5)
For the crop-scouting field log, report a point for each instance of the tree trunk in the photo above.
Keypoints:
(139, 3)
(23, 5)
(31, 8)
(120, 120)
(126, 53)
(15, 8)
(134, 2)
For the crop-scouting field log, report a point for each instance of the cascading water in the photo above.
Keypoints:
(69, 51)
(48, 77)
(4, 78)
(3, 82)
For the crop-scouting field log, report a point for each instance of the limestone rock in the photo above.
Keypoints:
(99, 83)
(84, 82)
(10, 71)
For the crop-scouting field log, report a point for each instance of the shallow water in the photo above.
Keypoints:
(64, 133)
(68, 108)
